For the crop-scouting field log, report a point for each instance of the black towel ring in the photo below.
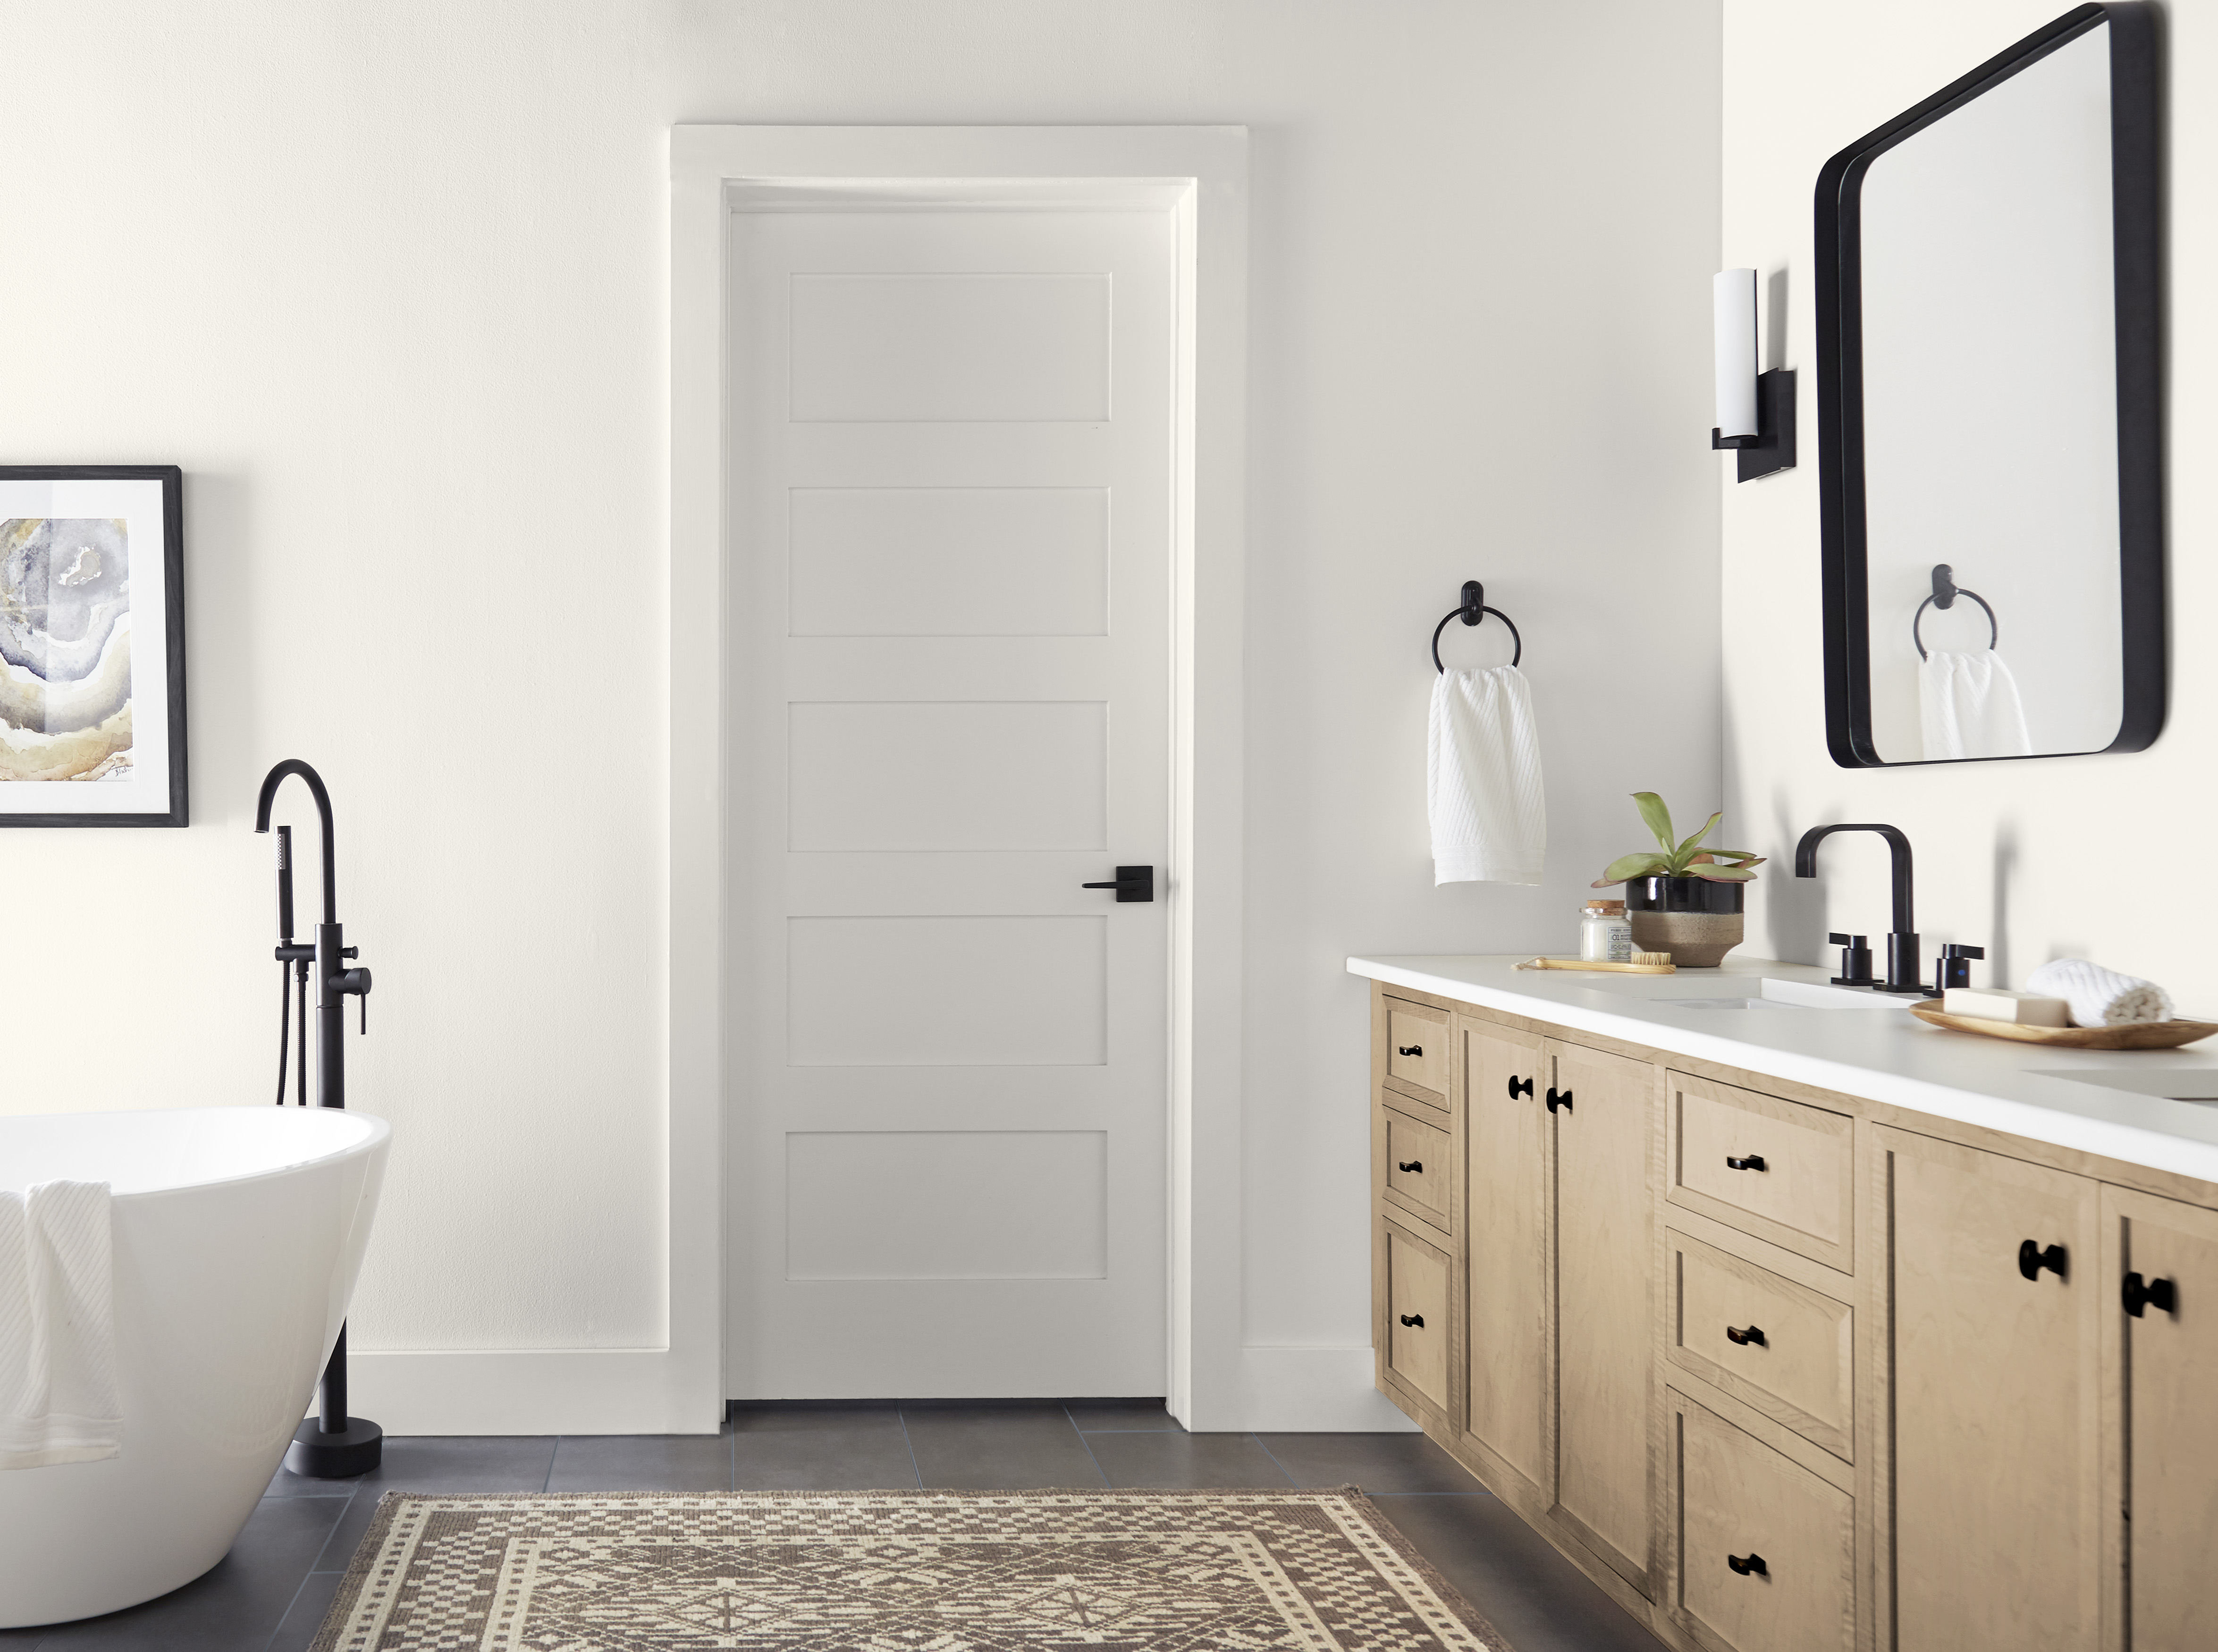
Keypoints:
(1474, 610)
(1945, 593)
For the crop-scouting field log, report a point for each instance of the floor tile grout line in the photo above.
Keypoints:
(1273, 1456)
(287, 1613)
(547, 1478)
(914, 1467)
(1107, 1482)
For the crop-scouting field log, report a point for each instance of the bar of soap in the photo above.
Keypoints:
(1999, 1004)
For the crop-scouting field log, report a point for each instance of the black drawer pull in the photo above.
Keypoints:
(1559, 1098)
(1415, 1319)
(1517, 1084)
(1411, 1050)
(2031, 1258)
(2154, 1293)
(1754, 1161)
(1752, 1566)
(1414, 1166)
(1754, 1334)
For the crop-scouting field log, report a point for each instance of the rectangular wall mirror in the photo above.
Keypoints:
(1989, 428)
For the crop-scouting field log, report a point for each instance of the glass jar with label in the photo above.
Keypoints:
(1605, 933)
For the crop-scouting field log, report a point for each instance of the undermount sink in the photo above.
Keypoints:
(1801, 995)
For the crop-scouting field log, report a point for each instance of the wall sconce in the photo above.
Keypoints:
(1755, 412)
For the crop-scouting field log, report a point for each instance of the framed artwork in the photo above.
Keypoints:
(92, 646)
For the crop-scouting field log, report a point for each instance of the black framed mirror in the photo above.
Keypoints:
(1989, 428)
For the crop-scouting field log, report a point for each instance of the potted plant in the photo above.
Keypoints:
(1685, 900)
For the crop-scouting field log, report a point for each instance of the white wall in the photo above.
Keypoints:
(2091, 855)
(390, 282)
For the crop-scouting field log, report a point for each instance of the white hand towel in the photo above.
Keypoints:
(2100, 996)
(1488, 815)
(58, 1387)
(1968, 707)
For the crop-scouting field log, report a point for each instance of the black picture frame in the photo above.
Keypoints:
(172, 696)
(2136, 208)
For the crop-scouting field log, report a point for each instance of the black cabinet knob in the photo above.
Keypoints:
(1414, 1166)
(2152, 1293)
(1754, 1161)
(1559, 1098)
(1517, 1084)
(1752, 1566)
(1753, 1335)
(1411, 1050)
(1417, 1320)
(2031, 1258)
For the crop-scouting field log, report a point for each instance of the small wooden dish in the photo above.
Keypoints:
(2143, 1034)
(1618, 968)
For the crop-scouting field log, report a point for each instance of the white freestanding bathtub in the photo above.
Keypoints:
(238, 1234)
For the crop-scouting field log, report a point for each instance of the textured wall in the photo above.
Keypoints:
(2063, 857)
(390, 282)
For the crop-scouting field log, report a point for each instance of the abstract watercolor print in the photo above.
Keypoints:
(65, 648)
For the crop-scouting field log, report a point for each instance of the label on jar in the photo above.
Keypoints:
(1621, 943)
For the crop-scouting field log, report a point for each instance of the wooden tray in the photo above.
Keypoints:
(2145, 1035)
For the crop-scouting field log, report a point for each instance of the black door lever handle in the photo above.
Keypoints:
(1131, 883)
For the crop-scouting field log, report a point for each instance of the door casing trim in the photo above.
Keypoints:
(1201, 174)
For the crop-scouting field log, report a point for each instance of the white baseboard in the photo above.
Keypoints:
(531, 1391)
(1315, 1391)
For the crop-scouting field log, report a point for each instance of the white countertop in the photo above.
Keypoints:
(1883, 1054)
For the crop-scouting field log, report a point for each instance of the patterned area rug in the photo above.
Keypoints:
(1238, 1571)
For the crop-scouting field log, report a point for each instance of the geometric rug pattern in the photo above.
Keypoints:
(893, 1571)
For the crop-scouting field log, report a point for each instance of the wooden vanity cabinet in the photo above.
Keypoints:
(1953, 1434)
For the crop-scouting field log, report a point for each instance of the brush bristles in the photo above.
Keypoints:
(1651, 957)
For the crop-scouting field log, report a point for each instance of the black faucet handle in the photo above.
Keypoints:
(1954, 967)
(1856, 961)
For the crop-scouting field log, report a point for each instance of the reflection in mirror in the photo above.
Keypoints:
(1987, 411)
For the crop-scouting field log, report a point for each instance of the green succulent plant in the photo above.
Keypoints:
(1688, 859)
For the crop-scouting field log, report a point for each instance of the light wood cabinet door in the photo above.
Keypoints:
(1506, 1273)
(2163, 1261)
(1996, 1536)
(1605, 1257)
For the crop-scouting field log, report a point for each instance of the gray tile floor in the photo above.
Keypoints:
(269, 1593)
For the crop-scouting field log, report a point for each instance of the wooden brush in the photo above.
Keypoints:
(1644, 964)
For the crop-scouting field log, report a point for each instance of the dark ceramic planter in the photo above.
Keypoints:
(1696, 920)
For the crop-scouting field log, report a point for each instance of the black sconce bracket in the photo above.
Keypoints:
(1772, 447)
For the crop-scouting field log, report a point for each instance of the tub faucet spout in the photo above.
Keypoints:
(1902, 939)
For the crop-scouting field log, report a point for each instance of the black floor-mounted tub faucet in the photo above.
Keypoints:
(332, 1445)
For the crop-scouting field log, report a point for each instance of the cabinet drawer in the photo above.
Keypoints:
(1771, 1168)
(1791, 1350)
(1417, 1314)
(1417, 1049)
(1766, 1550)
(1418, 1165)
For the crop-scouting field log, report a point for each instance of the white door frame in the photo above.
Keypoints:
(1207, 169)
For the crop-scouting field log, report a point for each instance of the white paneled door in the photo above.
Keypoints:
(952, 487)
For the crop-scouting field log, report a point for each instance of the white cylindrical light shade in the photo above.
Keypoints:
(1733, 293)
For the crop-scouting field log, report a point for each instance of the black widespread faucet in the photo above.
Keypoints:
(1902, 940)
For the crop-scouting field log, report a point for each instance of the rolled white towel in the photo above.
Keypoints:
(2100, 996)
